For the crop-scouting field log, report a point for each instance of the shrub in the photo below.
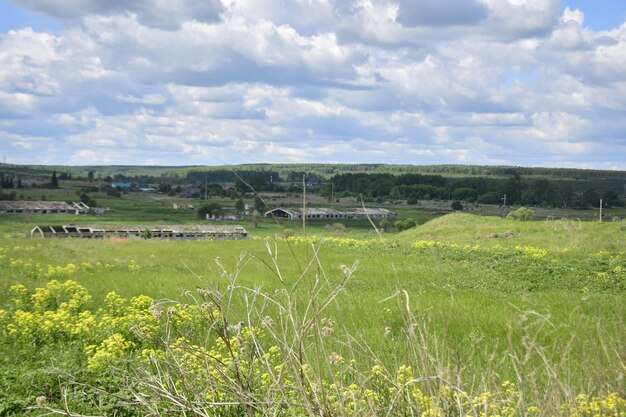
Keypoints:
(211, 209)
(521, 214)
(456, 205)
(404, 224)
(114, 192)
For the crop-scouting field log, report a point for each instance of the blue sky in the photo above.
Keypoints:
(516, 82)
(15, 17)
(600, 14)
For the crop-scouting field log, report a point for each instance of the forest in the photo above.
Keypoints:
(545, 187)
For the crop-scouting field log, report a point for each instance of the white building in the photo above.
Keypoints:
(328, 214)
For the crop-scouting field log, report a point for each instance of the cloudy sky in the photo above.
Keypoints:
(177, 82)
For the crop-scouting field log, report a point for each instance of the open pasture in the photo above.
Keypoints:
(477, 304)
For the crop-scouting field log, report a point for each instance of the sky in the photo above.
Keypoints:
(213, 82)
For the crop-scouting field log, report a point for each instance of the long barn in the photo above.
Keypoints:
(328, 214)
(42, 207)
(222, 232)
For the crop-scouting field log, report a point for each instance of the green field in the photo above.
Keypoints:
(493, 317)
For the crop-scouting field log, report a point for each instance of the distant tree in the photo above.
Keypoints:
(84, 197)
(54, 182)
(240, 206)
(7, 182)
(255, 218)
(489, 198)
(19, 183)
(411, 201)
(210, 209)
(90, 176)
(385, 224)
(590, 198)
(114, 192)
(164, 188)
(465, 193)
(456, 205)
(394, 194)
(259, 205)
(609, 198)
(514, 189)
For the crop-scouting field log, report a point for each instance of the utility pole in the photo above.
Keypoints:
(600, 210)
(503, 205)
(304, 204)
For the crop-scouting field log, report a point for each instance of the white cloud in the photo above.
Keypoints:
(159, 13)
(145, 99)
(498, 81)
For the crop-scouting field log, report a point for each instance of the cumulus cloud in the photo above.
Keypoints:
(482, 81)
(159, 13)
(441, 12)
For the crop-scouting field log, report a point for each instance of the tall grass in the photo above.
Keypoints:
(282, 330)
(281, 354)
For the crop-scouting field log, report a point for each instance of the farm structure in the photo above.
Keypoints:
(181, 206)
(146, 232)
(42, 207)
(329, 214)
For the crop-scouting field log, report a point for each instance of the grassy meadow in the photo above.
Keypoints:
(462, 315)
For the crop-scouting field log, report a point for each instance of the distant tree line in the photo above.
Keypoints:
(567, 188)
(486, 190)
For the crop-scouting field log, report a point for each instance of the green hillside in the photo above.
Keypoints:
(552, 235)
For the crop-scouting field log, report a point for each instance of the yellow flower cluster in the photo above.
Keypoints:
(586, 406)
(130, 317)
(60, 311)
(27, 268)
(213, 361)
(110, 350)
(531, 252)
(54, 311)
(61, 272)
(133, 266)
(342, 242)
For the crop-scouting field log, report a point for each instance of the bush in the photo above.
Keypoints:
(411, 201)
(456, 205)
(114, 192)
(211, 209)
(521, 214)
(404, 224)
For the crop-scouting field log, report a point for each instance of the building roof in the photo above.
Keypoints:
(134, 229)
(35, 205)
(328, 211)
(371, 211)
(309, 211)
